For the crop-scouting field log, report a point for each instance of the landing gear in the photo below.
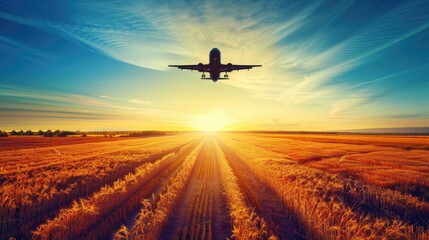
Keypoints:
(203, 76)
(225, 76)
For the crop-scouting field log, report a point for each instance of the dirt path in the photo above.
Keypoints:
(202, 211)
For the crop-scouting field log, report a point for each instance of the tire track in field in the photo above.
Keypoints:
(202, 211)
(265, 201)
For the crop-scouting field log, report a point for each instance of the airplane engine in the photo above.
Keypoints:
(229, 67)
(200, 67)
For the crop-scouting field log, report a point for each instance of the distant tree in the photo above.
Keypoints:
(40, 132)
(3, 133)
(13, 133)
(83, 135)
(21, 133)
(29, 133)
(146, 133)
(62, 134)
(57, 132)
(48, 133)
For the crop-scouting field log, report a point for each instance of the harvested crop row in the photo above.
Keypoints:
(246, 222)
(315, 198)
(154, 214)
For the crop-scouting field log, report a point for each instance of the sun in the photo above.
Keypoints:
(212, 122)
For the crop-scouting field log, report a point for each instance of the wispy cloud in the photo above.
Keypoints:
(325, 64)
(409, 116)
(347, 105)
(104, 96)
(396, 74)
(138, 101)
(25, 50)
(29, 103)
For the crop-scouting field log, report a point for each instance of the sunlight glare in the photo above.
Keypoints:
(215, 121)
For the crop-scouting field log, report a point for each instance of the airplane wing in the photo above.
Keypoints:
(198, 67)
(233, 67)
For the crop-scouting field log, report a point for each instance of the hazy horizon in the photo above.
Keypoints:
(404, 130)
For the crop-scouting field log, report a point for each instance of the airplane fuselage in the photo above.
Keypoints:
(215, 64)
(215, 67)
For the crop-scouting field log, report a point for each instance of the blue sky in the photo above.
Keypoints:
(327, 65)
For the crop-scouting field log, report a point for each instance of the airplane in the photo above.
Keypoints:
(215, 67)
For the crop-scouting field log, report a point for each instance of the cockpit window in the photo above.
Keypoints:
(215, 55)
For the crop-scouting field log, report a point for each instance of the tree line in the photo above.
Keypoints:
(65, 133)
(47, 133)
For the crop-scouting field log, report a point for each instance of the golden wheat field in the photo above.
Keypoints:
(216, 186)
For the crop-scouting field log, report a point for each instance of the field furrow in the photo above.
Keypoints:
(202, 212)
(265, 201)
(246, 223)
